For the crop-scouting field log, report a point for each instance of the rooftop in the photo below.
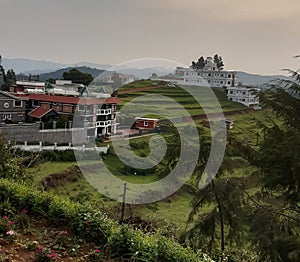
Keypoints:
(73, 100)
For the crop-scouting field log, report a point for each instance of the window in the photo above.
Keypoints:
(35, 103)
(229, 76)
(228, 82)
(244, 93)
(80, 107)
(230, 92)
(146, 123)
(6, 117)
(17, 103)
(209, 74)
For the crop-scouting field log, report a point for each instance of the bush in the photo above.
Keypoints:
(92, 225)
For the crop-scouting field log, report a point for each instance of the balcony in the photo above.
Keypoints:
(103, 123)
(101, 112)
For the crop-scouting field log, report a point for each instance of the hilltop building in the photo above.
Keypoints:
(209, 75)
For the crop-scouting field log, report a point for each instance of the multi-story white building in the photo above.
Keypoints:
(210, 75)
(245, 95)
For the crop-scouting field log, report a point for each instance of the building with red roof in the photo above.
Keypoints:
(96, 114)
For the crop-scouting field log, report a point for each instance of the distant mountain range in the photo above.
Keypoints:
(48, 70)
(59, 73)
(29, 66)
(257, 80)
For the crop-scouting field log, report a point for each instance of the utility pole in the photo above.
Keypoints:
(257, 135)
(123, 203)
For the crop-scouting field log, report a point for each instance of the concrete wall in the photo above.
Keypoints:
(32, 134)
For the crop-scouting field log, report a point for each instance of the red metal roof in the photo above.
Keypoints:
(113, 100)
(74, 100)
(39, 112)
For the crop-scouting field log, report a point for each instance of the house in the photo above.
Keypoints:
(12, 108)
(244, 95)
(97, 115)
(146, 123)
(227, 123)
(109, 77)
(210, 75)
(67, 88)
(29, 87)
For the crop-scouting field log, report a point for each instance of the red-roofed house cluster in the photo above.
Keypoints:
(53, 111)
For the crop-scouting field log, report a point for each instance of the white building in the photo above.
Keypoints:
(210, 75)
(244, 95)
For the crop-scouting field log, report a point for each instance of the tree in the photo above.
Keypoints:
(153, 76)
(224, 222)
(9, 79)
(200, 64)
(12, 164)
(78, 77)
(219, 62)
(280, 151)
(277, 213)
(11, 76)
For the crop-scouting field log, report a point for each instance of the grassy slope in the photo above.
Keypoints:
(174, 209)
(181, 96)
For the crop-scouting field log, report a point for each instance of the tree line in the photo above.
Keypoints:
(201, 62)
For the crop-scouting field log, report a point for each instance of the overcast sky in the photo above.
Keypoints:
(257, 36)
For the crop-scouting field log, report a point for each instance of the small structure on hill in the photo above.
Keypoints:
(227, 123)
(146, 123)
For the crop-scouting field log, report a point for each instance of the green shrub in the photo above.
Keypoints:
(93, 225)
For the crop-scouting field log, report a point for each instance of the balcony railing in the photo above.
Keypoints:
(103, 112)
(103, 123)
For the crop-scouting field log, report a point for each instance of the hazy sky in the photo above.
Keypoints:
(257, 36)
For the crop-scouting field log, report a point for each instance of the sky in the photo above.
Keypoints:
(257, 36)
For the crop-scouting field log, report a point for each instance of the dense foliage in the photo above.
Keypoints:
(261, 209)
(78, 77)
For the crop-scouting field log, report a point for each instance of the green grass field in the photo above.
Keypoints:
(176, 208)
(157, 105)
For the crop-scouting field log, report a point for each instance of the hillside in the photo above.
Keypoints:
(58, 74)
(146, 87)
